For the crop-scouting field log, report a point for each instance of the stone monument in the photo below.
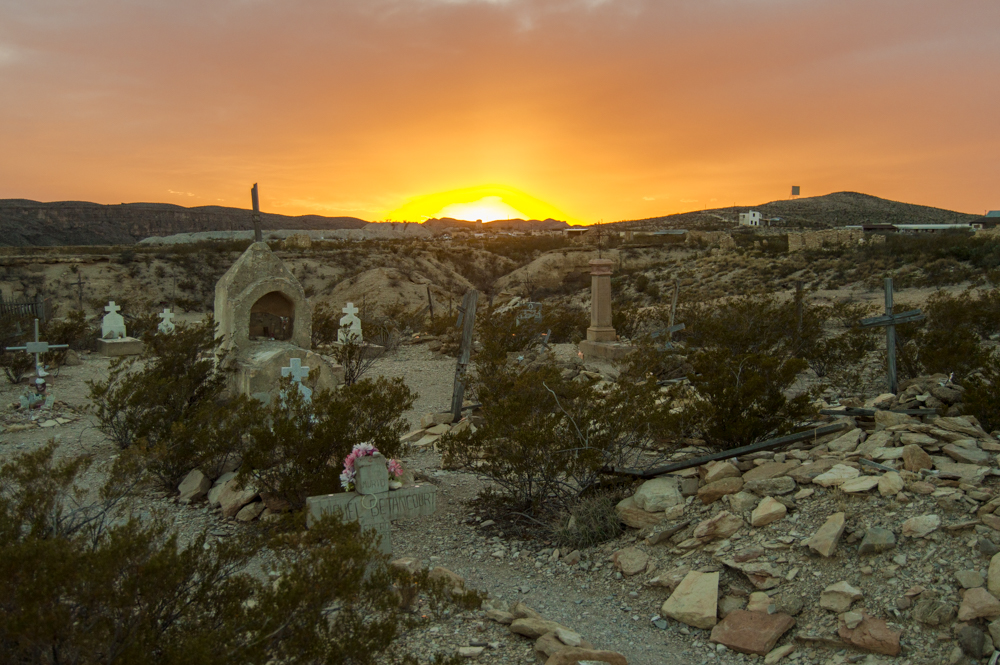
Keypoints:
(114, 340)
(350, 325)
(265, 321)
(602, 341)
(166, 326)
(373, 504)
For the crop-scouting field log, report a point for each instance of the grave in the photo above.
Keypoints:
(602, 341)
(889, 321)
(114, 339)
(265, 321)
(166, 326)
(373, 505)
(38, 348)
(350, 332)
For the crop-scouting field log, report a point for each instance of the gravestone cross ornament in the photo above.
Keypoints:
(350, 325)
(466, 319)
(166, 326)
(373, 505)
(298, 372)
(38, 348)
(889, 321)
(113, 325)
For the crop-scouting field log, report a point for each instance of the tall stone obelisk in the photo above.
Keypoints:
(602, 341)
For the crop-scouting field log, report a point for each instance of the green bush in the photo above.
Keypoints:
(982, 394)
(87, 583)
(295, 449)
(591, 521)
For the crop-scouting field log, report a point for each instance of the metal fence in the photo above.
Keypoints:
(40, 308)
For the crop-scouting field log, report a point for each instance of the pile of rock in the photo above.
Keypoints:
(225, 495)
(435, 425)
(774, 525)
(555, 644)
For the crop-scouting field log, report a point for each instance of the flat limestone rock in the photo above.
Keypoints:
(658, 494)
(630, 561)
(535, 628)
(964, 455)
(769, 510)
(824, 541)
(771, 486)
(976, 603)
(846, 442)
(718, 470)
(695, 600)
(872, 635)
(859, 484)
(751, 632)
(194, 486)
(808, 472)
(838, 475)
(970, 473)
(714, 491)
(634, 516)
(722, 525)
(877, 440)
(890, 484)
(839, 597)
(919, 527)
(770, 470)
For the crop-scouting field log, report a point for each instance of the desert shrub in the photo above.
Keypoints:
(545, 440)
(568, 324)
(295, 448)
(441, 324)
(591, 521)
(73, 330)
(15, 331)
(325, 324)
(356, 358)
(406, 320)
(87, 583)
(982, 394)
(837, 354)
(740, 399)
(170, 401)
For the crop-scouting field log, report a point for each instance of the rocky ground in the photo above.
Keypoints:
(810, 554)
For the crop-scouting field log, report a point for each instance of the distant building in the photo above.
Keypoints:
(751, 218)
(575, 232)
(993, 213)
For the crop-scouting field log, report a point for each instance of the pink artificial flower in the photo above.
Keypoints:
(395, 468)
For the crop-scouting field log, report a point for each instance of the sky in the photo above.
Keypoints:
(583, 110)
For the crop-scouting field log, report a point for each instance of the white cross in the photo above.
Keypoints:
(350, 310)
(111, 307)
(38, 348)
(296, 371)
(167, 323)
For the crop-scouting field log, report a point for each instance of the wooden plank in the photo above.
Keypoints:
(255, 215)
(894, 319)
(855, 411)
(464, 351)
(727, 454)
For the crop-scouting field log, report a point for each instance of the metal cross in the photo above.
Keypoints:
(38, 348)
(889, 321)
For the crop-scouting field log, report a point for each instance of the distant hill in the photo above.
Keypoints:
(439, 224)
(24, 222)
(831, 210)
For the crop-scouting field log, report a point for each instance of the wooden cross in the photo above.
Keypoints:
(889, 321)
(38, 348)
(79, 286)
(255, 215)
(466, 319)
(373, 505)
(671, 328)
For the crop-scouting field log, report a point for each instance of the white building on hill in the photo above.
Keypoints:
(751, 218)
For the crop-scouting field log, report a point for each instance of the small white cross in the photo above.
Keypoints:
(296, 371)
(111, 307)
(167, 322)
(350, 310)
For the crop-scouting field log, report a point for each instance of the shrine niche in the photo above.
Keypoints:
(272, 317)
(265, 321)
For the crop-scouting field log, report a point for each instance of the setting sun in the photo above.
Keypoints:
(487, 202)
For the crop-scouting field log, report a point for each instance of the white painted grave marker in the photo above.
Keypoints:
(113, 325)
(372, 504)
(298, 372)
(166, 326)
(350, 325)
(38, 348)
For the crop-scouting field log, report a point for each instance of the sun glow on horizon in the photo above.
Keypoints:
(487, 203)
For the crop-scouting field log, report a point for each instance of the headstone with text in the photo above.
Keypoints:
(373, 505)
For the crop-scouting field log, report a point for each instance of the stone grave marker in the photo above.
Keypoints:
(166, 326)
(298, 372)
(350, 325)
(373, 505)
(113, 325)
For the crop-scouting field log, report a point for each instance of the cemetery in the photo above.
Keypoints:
(618, 457)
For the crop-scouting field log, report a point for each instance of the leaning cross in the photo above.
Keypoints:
(373, 505)
(466, 319)
(38, 348)
(889, 321)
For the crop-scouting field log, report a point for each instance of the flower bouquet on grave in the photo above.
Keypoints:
(367, 449)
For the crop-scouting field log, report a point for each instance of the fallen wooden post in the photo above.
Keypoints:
(857, 411)
(727, 454)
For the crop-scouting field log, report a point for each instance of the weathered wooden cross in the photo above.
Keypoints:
(466, 319)
(79, 286)
(889, 321)
(373, 505)
(255, 215)
(671, 328)
(38, 348)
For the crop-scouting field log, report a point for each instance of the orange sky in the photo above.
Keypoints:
(597, 109)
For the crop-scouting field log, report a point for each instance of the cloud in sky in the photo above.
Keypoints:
(586, 104)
